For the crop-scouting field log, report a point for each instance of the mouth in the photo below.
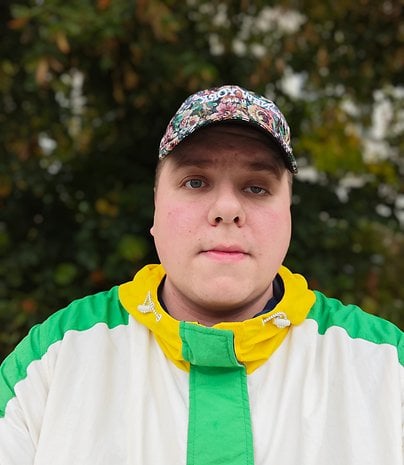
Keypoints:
(225, 253)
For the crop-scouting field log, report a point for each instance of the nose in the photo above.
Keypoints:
(226, 208)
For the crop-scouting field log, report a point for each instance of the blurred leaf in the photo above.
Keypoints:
(133, 248)
(65, 273)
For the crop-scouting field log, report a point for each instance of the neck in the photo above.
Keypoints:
(207, 313)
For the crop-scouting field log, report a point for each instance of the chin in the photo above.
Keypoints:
(224, 298)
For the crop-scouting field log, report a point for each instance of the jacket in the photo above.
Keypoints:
(114, 379)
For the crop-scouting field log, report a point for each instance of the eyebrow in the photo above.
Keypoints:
(185, 160)
(271, 165)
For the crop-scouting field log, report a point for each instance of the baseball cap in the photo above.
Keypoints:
(228, 103)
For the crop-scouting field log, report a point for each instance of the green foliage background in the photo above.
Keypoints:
(86, 90)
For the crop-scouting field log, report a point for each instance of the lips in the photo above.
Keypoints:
(225, 252)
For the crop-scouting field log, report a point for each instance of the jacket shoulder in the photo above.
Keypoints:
(329, 313)
(79, 315)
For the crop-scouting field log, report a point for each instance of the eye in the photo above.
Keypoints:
(195, 183)
(257, 190)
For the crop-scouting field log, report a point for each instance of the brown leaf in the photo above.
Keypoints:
(29, 305)
(131, 79)
(103, 4)
(6, 186)
(62, 42)
(42, 71)
(18, 23)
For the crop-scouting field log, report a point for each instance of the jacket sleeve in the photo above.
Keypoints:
(402, 413)
(16, 444)
(23, 393)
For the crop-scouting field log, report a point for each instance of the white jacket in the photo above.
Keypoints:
(114, 380)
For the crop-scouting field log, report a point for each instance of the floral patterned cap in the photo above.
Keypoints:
(223, 104)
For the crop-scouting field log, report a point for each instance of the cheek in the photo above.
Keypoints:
(174, 221)
(276, 226)
(282, 219)
(176, 233)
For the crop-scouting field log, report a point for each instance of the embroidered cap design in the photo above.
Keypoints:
(228, 103)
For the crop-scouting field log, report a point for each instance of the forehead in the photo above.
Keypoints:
(247, 143)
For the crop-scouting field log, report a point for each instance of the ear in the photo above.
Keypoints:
(154, 195)
(154, 204)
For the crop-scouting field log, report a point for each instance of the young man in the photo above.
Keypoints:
(220, 354)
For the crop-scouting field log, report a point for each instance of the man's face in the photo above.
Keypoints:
(222, 223)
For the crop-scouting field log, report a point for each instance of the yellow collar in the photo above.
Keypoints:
(255, 340)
